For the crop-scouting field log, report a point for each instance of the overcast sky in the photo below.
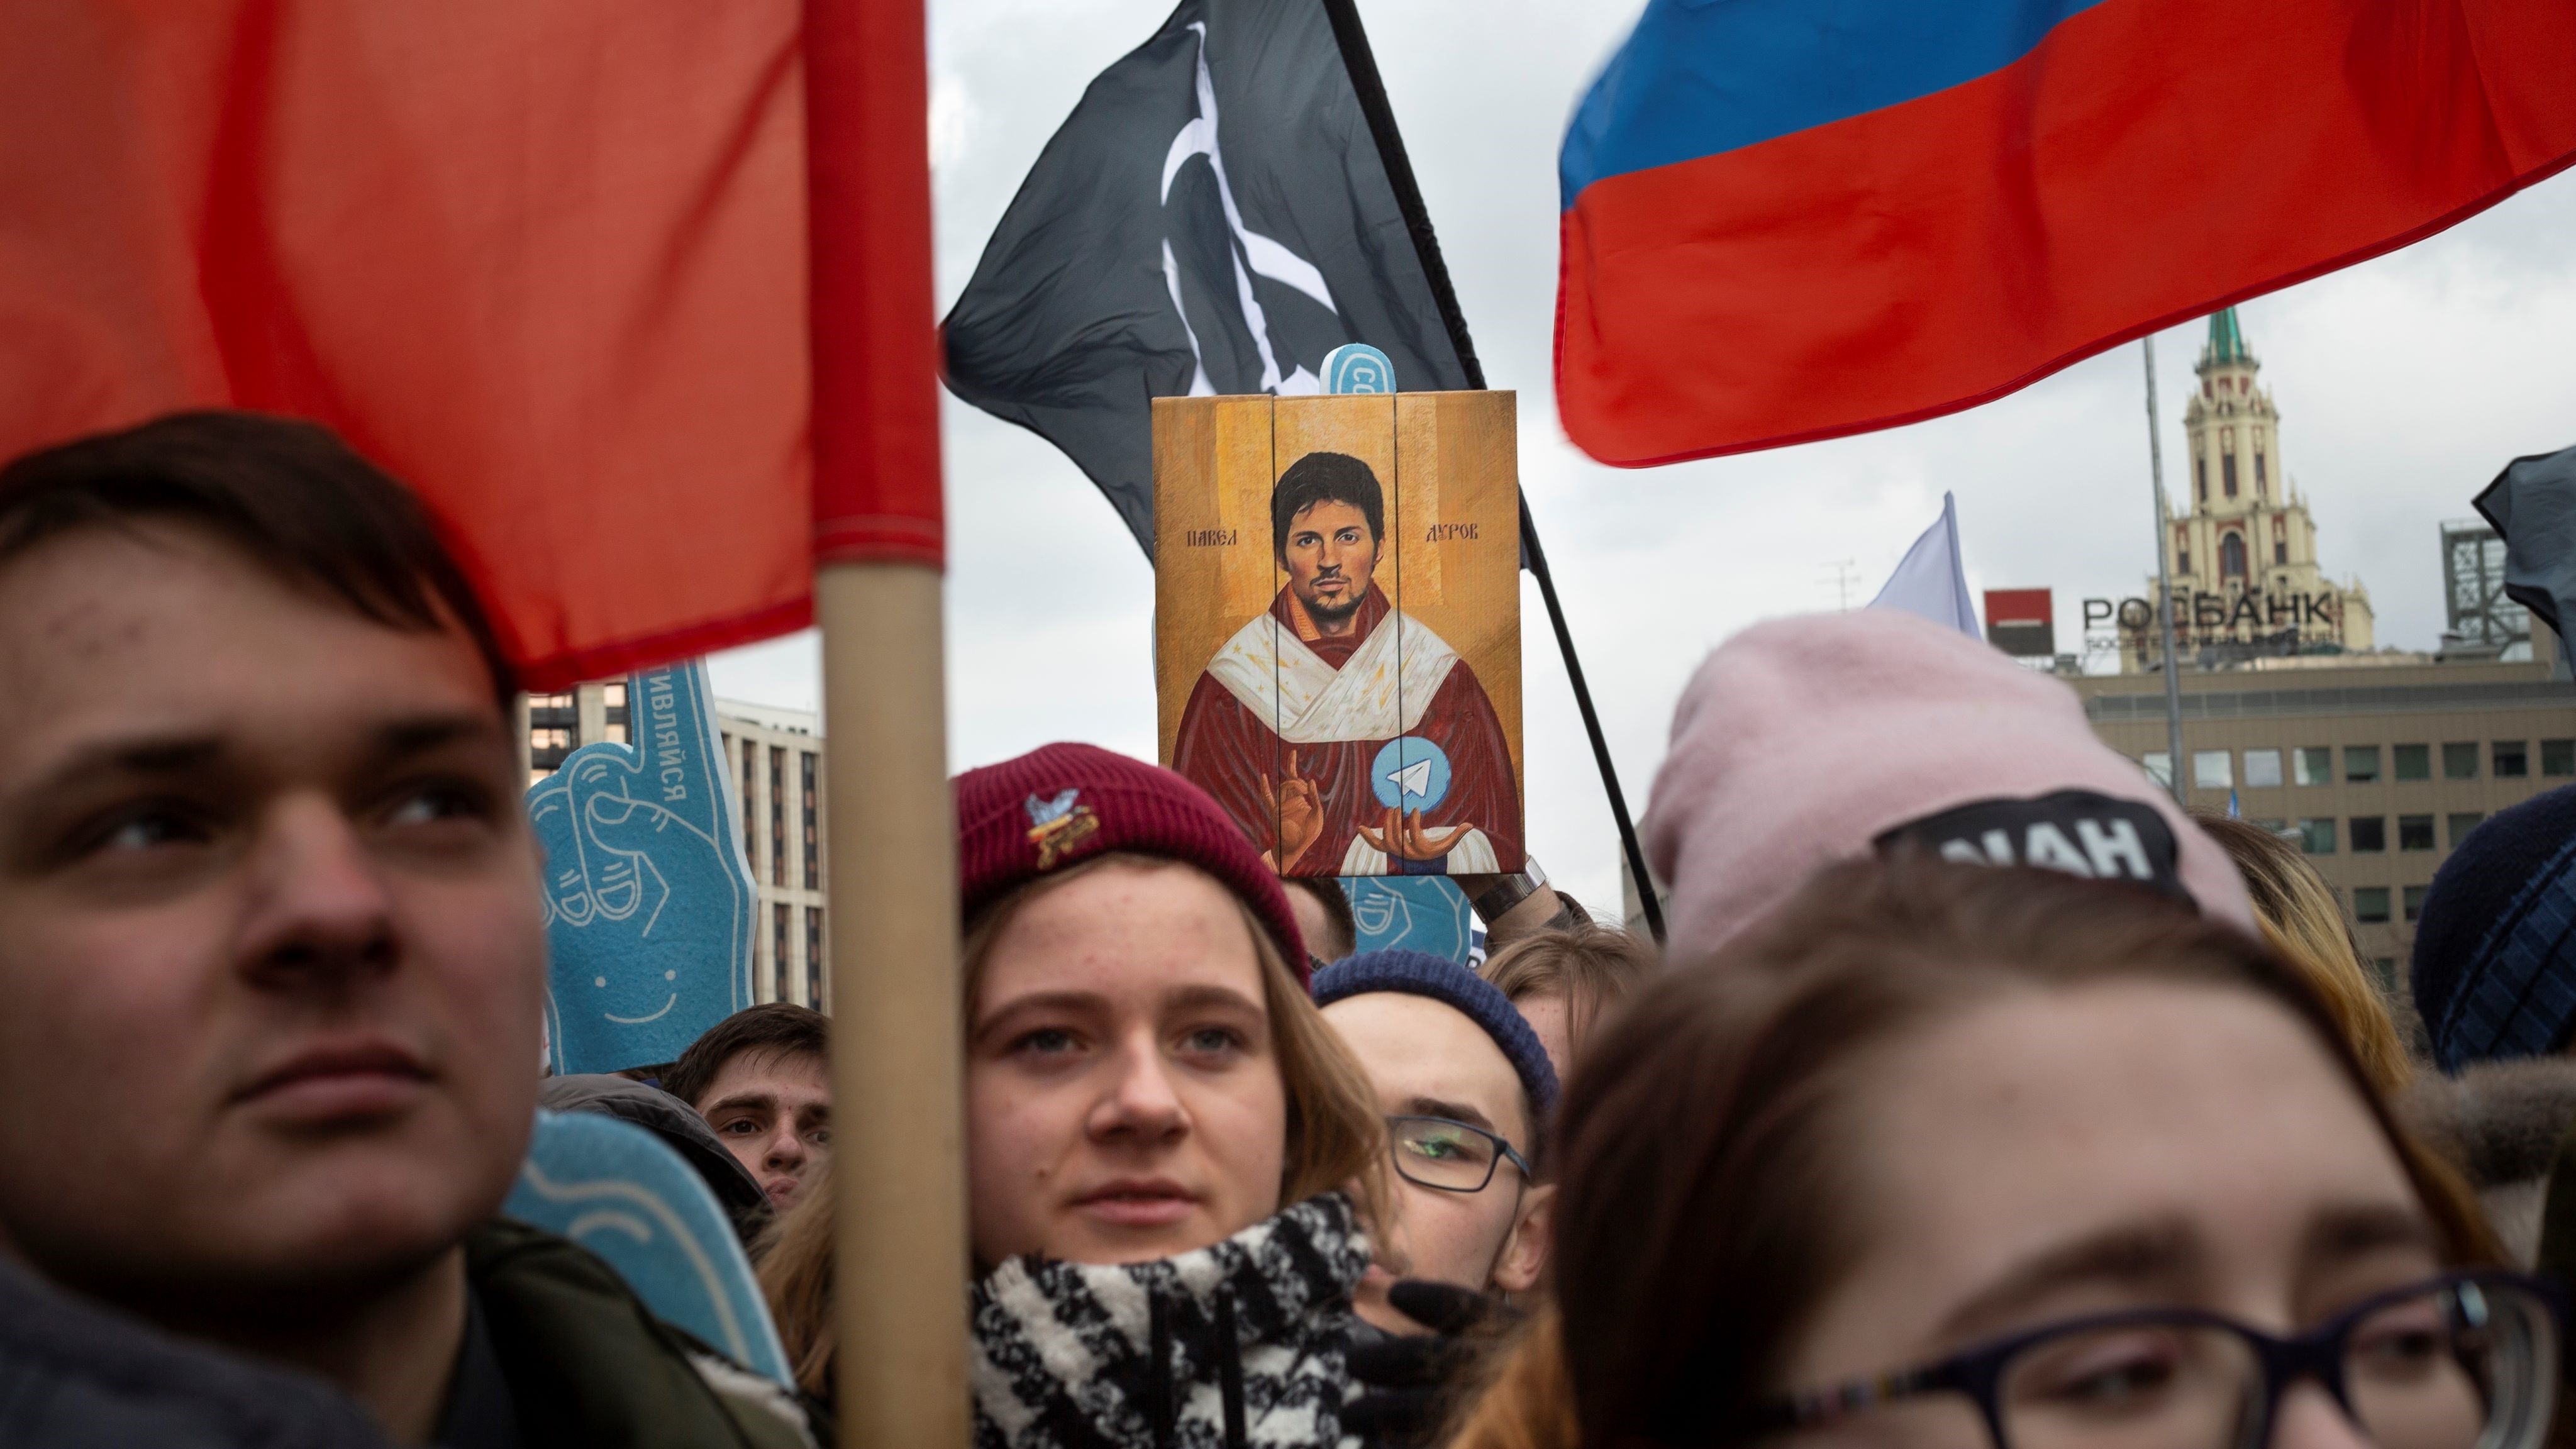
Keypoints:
(2404, 385)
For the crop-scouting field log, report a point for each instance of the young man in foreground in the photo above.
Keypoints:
(270, 937)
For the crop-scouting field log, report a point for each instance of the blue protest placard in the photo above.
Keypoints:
(621, 1192)
(649, 900)
(1426, 913)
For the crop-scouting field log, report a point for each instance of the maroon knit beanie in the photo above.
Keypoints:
(1063, 803)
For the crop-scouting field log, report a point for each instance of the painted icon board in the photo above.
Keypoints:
(1346, 681)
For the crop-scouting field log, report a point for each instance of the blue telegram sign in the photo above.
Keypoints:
(1426, 913)
(649, 900)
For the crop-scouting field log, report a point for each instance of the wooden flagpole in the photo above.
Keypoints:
(897, 1129)
(898, 1156)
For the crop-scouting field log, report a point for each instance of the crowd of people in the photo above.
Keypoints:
(1979, 1098)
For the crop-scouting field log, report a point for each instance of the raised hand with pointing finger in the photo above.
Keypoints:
(649, 901)
(1296, 815)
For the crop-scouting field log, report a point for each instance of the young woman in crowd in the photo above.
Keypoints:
(1998, 1159)
(1160, 1126)
(1564, 980)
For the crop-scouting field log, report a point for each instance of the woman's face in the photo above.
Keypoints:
(2058, 1154)
(1123, 1096)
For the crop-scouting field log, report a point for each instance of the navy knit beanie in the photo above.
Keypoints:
(1416, 973)
(2495, 950)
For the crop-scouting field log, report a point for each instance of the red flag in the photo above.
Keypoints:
(545, 260)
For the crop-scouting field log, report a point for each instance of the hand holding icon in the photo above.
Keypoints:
(1405, 837)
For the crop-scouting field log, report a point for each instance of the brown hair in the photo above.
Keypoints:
(288, 495)
(1328, 894)
(780, 1028)
(1696, 1228)
(2305, 927)
(795, 1257)
(1593, 967)
(1336, 1134)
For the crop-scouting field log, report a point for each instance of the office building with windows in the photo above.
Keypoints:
(775, 759)
(2378, 771)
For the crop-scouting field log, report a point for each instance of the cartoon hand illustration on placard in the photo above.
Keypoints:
(649, 901)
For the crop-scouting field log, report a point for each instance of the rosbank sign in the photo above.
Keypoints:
(2221, 611)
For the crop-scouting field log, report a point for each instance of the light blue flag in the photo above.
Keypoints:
(623, 1193)
(649, 899)
(1931, 581)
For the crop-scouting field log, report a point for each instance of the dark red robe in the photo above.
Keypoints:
(1227, 747)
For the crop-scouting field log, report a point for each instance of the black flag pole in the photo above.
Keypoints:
(1362, 65)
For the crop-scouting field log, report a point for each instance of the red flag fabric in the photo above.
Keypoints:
(545, 260)
(1794, 219)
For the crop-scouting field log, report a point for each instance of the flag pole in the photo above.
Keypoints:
(898, 1159)
(1361, 62)
(898, 1142)
(2164, 587)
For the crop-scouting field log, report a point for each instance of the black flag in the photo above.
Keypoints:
(2532, 504)
(1228, 203)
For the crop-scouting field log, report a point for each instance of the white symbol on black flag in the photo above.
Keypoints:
(1219, 264)
(1214, 217)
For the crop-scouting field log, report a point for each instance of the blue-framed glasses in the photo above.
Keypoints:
(1448, 1156)
(2464, 1361)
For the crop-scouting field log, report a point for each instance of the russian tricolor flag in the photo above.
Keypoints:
(1793, 219)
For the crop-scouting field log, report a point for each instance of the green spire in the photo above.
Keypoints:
(2226, 340)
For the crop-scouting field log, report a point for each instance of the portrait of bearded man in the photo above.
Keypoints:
(1342, 734)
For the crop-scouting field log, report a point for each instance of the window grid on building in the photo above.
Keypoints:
(778, 818)
(805, 764)
(814, 957)
(778, 949)
(2368, 833)
(750, 801)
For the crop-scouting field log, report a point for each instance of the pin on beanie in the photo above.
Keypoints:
(1802, 742)
(1063, 803)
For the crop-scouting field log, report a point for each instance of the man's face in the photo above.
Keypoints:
(774, 1111)
(1428, 1059)
(1329, 558)
(271, 954)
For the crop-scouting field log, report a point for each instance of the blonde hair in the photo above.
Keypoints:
(1593, 967)
(794, 1254)
(1336, 1135)
(2305, 927)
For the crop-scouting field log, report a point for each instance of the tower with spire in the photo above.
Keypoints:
(2245, 571)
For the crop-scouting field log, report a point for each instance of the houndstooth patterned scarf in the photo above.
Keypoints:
(1230, 1347)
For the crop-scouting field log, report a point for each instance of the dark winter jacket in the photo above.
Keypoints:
(1234, 1345)
(2498, 1123)
(75, 1375)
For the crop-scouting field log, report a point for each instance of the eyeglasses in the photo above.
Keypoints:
(1448, 1156)
(2465, 1361)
